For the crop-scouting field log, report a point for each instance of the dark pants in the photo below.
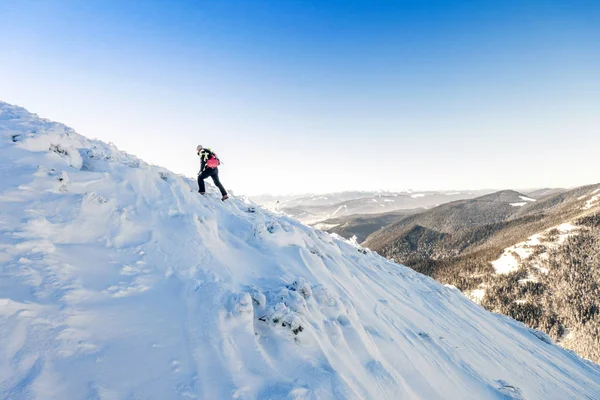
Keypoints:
(214, 174)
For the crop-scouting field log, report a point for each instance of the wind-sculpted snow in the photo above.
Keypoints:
(118, 281)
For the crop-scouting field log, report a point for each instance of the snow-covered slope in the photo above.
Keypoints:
(118, 281)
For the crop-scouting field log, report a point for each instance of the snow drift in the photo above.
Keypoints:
(118, 281)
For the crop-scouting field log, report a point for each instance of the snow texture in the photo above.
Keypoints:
(118, 281)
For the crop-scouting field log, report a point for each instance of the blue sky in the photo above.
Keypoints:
(307, 96)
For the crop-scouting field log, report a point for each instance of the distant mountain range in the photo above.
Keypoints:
(311, 209)
(363, 225)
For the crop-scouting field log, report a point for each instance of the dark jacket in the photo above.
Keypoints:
(205, 154)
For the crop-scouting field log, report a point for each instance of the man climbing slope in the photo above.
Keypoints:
(209, 164)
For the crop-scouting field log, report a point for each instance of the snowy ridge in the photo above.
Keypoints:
(118, 281)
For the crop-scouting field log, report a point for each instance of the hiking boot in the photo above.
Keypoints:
(225, 197)
(202, 193)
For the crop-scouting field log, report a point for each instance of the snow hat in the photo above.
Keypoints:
(199, 147)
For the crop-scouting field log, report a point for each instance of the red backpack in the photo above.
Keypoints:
(213, 161)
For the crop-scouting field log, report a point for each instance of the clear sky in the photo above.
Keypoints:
(316, 96)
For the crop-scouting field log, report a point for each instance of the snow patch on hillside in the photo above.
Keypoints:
(339, 209)
(476, 295)
(594, 200)
(527, 198)
(510, 258)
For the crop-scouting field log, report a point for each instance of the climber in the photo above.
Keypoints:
(209, 163)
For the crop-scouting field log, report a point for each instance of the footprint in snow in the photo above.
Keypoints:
(509, 391)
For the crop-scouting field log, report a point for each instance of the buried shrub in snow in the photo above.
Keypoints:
(292, 306)
(301, 286)
(280, 314)
(287, 306)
